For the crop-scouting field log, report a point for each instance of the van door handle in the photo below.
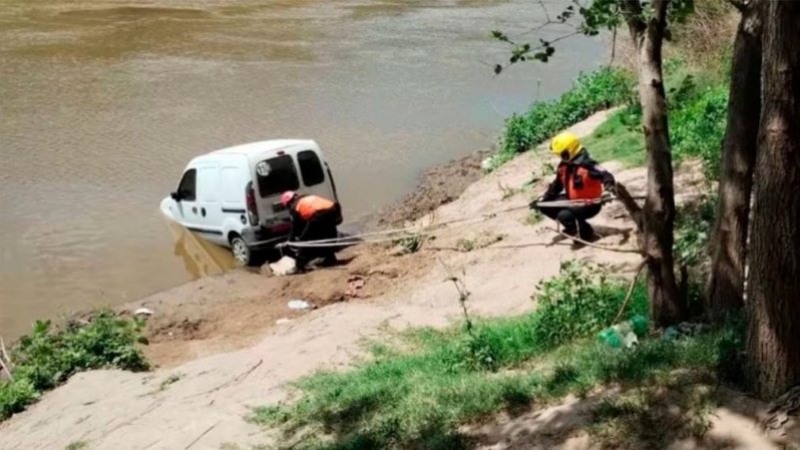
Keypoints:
(203, 211)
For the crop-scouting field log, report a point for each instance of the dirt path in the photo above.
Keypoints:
(201, 404)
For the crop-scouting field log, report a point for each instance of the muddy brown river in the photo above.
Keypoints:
(102, 103)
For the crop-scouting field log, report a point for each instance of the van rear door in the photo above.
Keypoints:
(274, 175)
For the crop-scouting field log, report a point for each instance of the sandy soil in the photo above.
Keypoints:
(222, 353)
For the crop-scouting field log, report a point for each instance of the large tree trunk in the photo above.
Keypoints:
(726, 280)
(774, 280)
(667, 305)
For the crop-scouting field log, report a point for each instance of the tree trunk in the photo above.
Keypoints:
(774, 280)
(726, 280)
(667, 306)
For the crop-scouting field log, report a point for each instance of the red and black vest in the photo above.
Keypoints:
(578, 184)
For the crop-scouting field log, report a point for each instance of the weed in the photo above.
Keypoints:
(410, 242)
(507, 192)
(172, 379)
(76, 445)
(534, 218)
(47, 357)
(483, 240)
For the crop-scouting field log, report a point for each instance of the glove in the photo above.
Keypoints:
(535, 203)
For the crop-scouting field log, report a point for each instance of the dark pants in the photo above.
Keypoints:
(321, 225)
(573, 219)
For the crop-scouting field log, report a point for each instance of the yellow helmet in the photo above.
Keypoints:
(565, 141)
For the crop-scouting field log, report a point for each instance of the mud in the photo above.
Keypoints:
(234, 310)
(438, 186)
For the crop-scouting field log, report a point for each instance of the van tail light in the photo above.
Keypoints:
(252, 210)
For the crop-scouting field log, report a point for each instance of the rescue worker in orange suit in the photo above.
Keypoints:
(578, 177)
(313, 218)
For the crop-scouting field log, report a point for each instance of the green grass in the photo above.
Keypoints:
(618, 139)
(48, 357)
(77, 445)
(417, 399)
(417, 393)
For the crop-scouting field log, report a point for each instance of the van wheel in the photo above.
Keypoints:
(241, 252)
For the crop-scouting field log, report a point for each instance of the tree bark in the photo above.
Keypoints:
(774, 280)
(726, 279)
(666, 305)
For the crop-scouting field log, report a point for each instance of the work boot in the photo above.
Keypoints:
(329, 261)
(587, 233)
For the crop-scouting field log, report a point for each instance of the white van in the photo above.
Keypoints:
(231, 197)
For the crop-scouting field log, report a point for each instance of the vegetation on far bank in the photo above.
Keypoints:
(48, 357)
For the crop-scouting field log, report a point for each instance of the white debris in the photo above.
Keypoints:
(487, 164)
(299, 304)
(285, 266)
(143, 312)
(282, 321)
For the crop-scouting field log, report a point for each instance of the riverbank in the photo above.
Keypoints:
(229, 354)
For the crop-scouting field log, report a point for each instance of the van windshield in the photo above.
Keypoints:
(276, 175)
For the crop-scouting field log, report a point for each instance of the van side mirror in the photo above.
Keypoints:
(175, 196)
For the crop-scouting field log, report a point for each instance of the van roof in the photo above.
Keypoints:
(262, 146)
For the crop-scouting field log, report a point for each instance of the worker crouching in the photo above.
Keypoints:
(581, 181)
(314, 218)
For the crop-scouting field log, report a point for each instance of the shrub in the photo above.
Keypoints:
(579, 302)
(697, 127)
(592, 92)
(48, 357)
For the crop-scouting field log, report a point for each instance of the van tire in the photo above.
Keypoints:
(241, 251)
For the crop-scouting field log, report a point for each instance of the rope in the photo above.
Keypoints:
(359, 238)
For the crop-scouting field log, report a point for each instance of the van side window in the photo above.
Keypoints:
(187, 187)
(276, 175)
(310, 167)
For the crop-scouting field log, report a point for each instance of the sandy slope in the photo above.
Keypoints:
(206, 406)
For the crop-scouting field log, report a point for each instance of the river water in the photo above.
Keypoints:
(102, 103)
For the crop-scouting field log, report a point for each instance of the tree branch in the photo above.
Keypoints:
(632, 11)
(631, 206)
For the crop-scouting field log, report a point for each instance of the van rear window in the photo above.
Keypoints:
(276, 175)
(310, 168)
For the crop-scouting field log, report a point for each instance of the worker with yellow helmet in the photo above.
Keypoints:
(580, 180)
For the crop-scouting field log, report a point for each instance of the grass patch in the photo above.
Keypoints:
(77, 445)
(618, 139)
(417, 400)
(417, 395)
(48, 357)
